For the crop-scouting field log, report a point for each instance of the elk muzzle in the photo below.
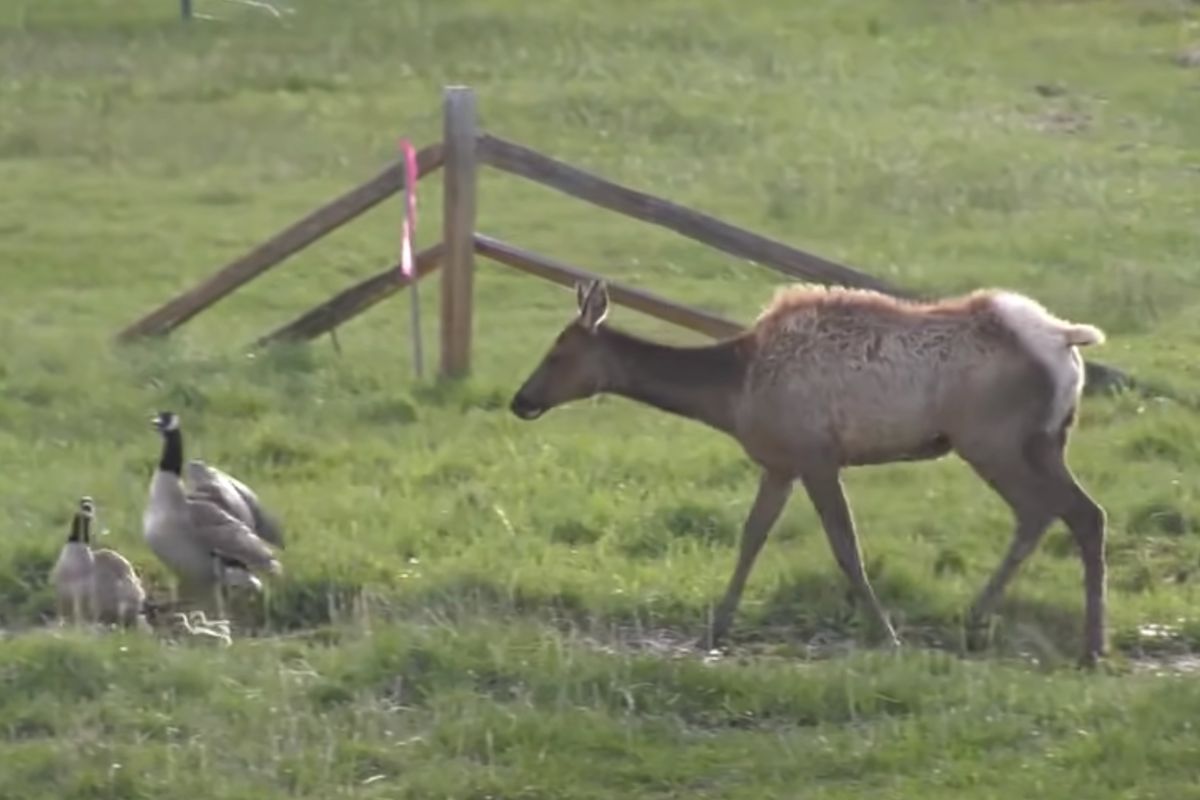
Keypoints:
(525, 408)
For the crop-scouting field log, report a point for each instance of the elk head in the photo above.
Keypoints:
(575, 366)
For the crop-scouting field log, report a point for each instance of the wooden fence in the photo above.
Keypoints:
(462, 149)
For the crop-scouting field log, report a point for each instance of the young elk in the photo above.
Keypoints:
(833, 378)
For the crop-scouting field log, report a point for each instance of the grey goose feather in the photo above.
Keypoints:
(235, 497)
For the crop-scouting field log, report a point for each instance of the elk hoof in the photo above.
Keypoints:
(709, 641)
(1090, 660)
(978, 634)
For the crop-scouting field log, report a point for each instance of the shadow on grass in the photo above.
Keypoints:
(812, 616)
(463, 395)
(818, 611)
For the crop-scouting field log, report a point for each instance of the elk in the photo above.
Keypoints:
(830, 378)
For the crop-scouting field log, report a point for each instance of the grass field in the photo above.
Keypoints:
(478, 607)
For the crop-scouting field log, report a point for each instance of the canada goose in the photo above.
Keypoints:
(95, 585)
(204, 545)
(211, 483)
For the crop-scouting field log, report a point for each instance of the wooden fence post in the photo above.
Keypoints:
(458, 229)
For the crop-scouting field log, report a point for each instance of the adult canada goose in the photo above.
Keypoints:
(204, 545)
(95, 585)
(209, 482)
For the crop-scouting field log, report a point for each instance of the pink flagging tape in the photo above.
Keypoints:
(408, 269)
(409, 227)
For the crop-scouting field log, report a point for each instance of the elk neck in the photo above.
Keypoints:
(700, 383)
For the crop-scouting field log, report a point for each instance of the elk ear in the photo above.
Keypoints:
(593, 305)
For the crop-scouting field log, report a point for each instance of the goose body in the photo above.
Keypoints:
(167, 528)
(95, 585)
(72, 580)
(120, 596)
(194, 536)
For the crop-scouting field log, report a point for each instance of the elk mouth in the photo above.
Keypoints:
(524, 409)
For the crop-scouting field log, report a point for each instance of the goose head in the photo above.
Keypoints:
(81, 523)
(165, 421)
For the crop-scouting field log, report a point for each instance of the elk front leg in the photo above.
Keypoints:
(825, 490)
(773, 493)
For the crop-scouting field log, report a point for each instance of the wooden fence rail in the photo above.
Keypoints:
(532, 165)
(682, 315)
(295, 237)
(352, 301)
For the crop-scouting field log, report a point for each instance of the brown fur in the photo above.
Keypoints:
(832, 378)
(801, 297)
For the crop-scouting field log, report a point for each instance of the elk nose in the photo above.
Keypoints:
(524, 408)
(518, 404)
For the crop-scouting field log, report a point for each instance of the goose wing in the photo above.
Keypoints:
(237, 498)
(210, 484)
(223, 534)
(266, 524)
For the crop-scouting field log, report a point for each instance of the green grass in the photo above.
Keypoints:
(479, 607)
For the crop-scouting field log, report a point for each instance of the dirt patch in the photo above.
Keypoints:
(1183, 664)
(1062, 121)
(1050, 89)
(1157, 652)
(674, 644)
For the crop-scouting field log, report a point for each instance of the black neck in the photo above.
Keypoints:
(80, 529)
(172, 452)
(700, 383)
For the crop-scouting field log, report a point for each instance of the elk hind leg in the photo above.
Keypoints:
(1035, 501)
(1086, 521)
